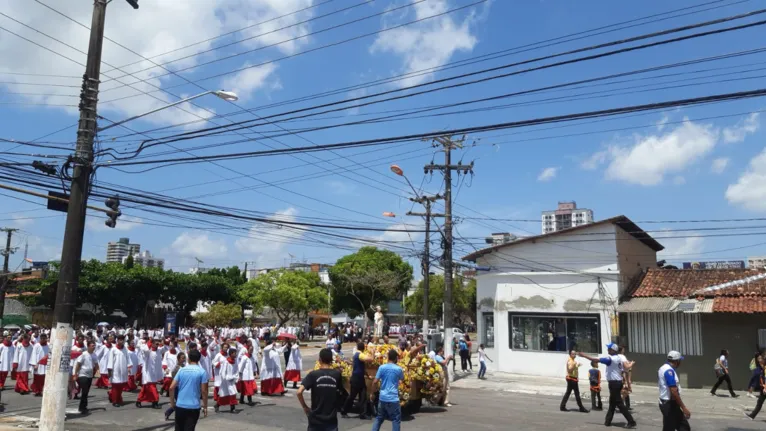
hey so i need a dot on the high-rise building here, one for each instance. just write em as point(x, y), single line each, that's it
point(146, 260)
point(758, 262)
point(565, 216)
point(115, 251)
point(500, 238)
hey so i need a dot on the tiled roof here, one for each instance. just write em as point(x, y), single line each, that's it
point(623, 222)
point(686, 282)
point(689, 283)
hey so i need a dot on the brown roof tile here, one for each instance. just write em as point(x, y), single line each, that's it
point(741, 304)
point(687, 282)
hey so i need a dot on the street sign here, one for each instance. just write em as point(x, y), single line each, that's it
point(57, 205)
point(718, 264)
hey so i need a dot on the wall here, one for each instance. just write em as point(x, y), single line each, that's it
point(633, 256)
point(736, 332)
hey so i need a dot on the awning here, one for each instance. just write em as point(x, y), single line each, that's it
point(665, 305)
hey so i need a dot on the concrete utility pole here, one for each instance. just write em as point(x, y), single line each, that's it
point(449, 144)
point(53, 411)
point(426, 259)
point(6, 276)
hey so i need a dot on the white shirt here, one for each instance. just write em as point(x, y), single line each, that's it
point(482, 355)
point(724, 362)
point(667, 378)
point(118, 361)
point(614, 367)
point(86, 361)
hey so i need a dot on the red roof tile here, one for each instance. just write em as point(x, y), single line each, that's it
point(687, 282)
point(742, 304)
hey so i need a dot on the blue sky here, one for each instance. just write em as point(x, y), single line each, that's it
point(702, 162)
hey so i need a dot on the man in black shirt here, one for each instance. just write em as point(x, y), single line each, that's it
point(326, 390)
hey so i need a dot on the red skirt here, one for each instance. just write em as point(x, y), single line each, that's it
point(293, 376)
point(148, 394)
point(228, 400)
point(3, 377)
point(166, 384)
point(38, 381)
point(22, 381)
point(115, 394)
point(132, 383)
point(103, 381)
point(247, 387)
point(272, 386)
point(215, 393)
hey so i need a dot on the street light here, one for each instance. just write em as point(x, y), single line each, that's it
point(228, 96)
point(398, 171)
point(389, 214)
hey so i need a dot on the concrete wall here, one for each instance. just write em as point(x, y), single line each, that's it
point(633, 256)
point(736, 332)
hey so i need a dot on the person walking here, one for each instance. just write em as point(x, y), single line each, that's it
point(761, 373)
point(180, 363)
point(118, 365)
point(594, 378)
point(754, 383)
point(627, 374)
point(572, 378)
point(482, 361)
point(614, 378)
point(389, 375)
point(85, 367)
point(358, 384)
point(463, 347)
point(151, 374)
point(675, 415)
point(468, 343)
point(722, 372)
point(326, 390)
point(189, 386)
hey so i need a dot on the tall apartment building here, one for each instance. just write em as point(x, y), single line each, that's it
point(758, 262)
point(146, 260)
point(115, 251)
point(565, 216)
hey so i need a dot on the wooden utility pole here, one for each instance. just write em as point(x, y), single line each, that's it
point(448, 145)
point(6, 275)
point(426, 259)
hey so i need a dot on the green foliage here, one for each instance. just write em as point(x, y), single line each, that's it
point(463, 299)
point(219, 314)
point(367, 278)
point(289, 294)
point(129, 263)
point(235, 275)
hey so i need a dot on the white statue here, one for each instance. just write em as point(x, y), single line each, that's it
point(378, 322)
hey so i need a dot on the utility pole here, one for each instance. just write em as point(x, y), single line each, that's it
point(448, 144)
point(53, 411)
point(426, 259)
point(6, 276)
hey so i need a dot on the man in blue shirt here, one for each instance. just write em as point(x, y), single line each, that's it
point(389, 376)
point(614, 378)
point(675, 415)
point(191, 382)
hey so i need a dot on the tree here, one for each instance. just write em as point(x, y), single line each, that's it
point(463, 299)
point(367, 278)
point(129, 263)
point(235, 275)
point(184, 291)
point(219, 314)
point(289, 294)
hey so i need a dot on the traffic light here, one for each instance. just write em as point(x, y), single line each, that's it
point(133, 3)
point(114, 205)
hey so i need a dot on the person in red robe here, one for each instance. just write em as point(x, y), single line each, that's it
point(103, 353)
point(151, 374)
point(227, 393)
point(6, 358)
point(21, 365)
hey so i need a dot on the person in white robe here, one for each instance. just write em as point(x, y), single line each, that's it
point(22, 353)
point(294, 366)
point(248, 373)
point(6, 358)
point(150, 374)
point(271, 371)
point(216, 366)
point(169, 362)
point(118, 364)
point(132, 371)
point(39, 363)
point(204, 360)
point(227, 393)
point(102, 352)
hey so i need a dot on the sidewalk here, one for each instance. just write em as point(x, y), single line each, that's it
point(697, 400)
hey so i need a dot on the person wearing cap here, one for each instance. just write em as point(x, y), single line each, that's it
point(675, 415)
point(614, 378)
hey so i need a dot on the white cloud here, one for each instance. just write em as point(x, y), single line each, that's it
point(198, 245)
point(750, 190)
point(594, 161)
point(677, 248)
point(679, 180)
point(719, 165)
point(547, 174)
point(244, 83)
point(40, 250)
point(341, 187)
point(353, 94)
point(155, 29)
point(662, 122)
point(22, 220)
point(647, 159)
point(392, 234)
point(271, 239)
point(95, 222)
point(428, 44)
point(744, 127)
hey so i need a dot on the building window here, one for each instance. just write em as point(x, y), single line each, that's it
point(488, 336)
point(555, 333)
point(659, 333)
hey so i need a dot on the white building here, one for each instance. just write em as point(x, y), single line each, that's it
point(146, 260)
point(756, 262)
point(541, 296)
point(198, 270)
point(116, 251)
point(500, 238)
point(565, 216)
